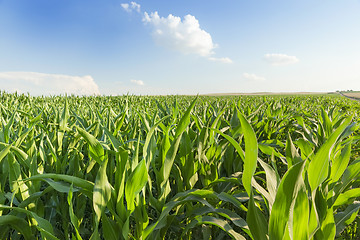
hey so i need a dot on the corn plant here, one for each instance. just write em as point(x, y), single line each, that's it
point(179, 167)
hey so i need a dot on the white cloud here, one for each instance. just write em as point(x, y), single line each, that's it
point(280, 59)
point(135, 6)
point(130, 7)
point(183, 35)
point(137, 82)
point(223, 60)
point(125, 6)
point(253, 77)
point(47, 84)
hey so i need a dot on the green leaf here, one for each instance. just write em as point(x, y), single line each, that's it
point(63, 125)
point(256, 221)
point(233, 142)
point(328, 229)
point(17, 223)
point(318, 167)
point(135, 183)
point(272, 181)
point(342, 219)
point(300, 216)
point(35, 120)
point(351, 174)
point(43, 225)
point(121, 161)
point(73, 218)
point(228, 214)
point(108, 230)
point(292, 155)
point(179, 199)
point(95, 148)
point(149, 135)
point(346, 197)
point(4, 152)
point(224, 225)
point(285, 196)
point(185, 120)
point(251, 153)
point(84, 184)
point(60, 186)
point(114, 141)
point(223, 196)
point(167, 166)
point(340, 163)
point(102, 191)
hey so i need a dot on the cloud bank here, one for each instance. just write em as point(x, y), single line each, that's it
point(253, 77)
point(280, 59)
point(182, 35)
point(47, 84)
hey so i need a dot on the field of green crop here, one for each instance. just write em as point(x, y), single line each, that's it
point(179, 167)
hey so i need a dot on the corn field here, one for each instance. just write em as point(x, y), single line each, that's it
point(179, 167)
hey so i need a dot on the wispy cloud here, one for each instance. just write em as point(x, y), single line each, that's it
point(137, 82)
point(223, 60)
point(277, 59)
point(182, 35)
point(47, 84)
point(133, 6)
point(253, 77)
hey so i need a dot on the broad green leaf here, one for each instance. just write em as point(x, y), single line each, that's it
point(73, 218)
point(168, 163)
point(228, 214)
point(108, 230)
point(114, 141)
point(233, 142)
point(251, 153)
point(15, 177)
point(60, 186)
point(179, 199)
point(224, 225)
point(135, 183)
point(350, 174)
point(256, 221)
point(285, 196)
point(17, 223)
point(81, 183)
point(342, 219)
point(292, 155)
point(340, 163)
point(326, 122)
point(272, 181)
point(185, 120)
point(7, 127)
point(149, 136)
point(96, 150)
point(102, 191)
point(63, 125)
point(121, 160)
point(4, 152)
point(41, 224)
point(223, 196)
point(300, 217)
point(328, 229)
point(318, 167)
point(347, 196)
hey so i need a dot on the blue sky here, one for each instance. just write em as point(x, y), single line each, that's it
point(179, 47)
